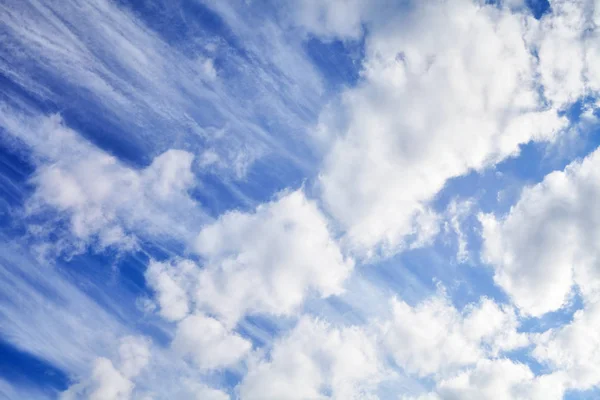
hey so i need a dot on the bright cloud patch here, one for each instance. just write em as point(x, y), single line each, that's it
point(434, 104)
point(573, 348)
point(269, 260)
point(547, 242)
point(103, 200)
point(110, 382)
point(316, 361)
point(208, 343)
point(434, 337)
point(503, 380)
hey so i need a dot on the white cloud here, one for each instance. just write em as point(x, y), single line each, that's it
point(447, 87)
point(455, 215)
point(435, 338)
point(574, 348)
point(203, 392)
point(103, 200)
point(330, 19)
point(209, 343)
point(109, 383)
point(106, 383)
point(134, 355)
point(501, 379)
point(566, 41)
point(267, 261)
point(315, 361)
point(548, 241)
point(173, 284)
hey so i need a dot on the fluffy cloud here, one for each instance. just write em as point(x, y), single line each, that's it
point(134, 354)
point(567, 44)
point(102, 200)
point(267, 261)
point(574, 349)
point(549, 240)
point(501, 379)
point(434, 337)
point(447, 87)
point(315, 361)
point(173, 283)
point(209, 343)
point(109, 383)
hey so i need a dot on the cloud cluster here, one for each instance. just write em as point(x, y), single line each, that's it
point(547, 243)
point(209, 343)
point(573, 349)
point(435, 338)
point(105, 203)
point(315, 361)
point(447, 87)
point(266, 262)
point(500, 379)
point(109, 382)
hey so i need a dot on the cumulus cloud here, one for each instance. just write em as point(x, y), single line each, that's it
point(446, 87)
point(566, 41)
point(548, 241)
point(102, 200)
point(173, 283)
point(209, 343)
point(573, 349)
point(268, 260)
point(265, 261)
point(315, 361)
point(501, 379)
point(134, 354)
point(435, 338)
point(106, 382)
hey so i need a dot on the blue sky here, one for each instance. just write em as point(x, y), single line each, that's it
point(347, 199)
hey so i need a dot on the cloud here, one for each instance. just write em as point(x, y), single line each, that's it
point(456, 212)
point(573, 349)
point(106, 383)
point(435, 338)
point(447, 87)
point(315, 361)
point(173, 284)
point(266, 261)
point(330, 19)
point(147, 91)
point(203, 392)
point(209, 343)
point(70, 327)
point(548, 240)
point(109, 383)
point(501, 379)
point(105, 203)
point(134, 354)
point(566, 41)
point(269, 260)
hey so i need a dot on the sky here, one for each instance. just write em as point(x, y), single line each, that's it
point(299, 200)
